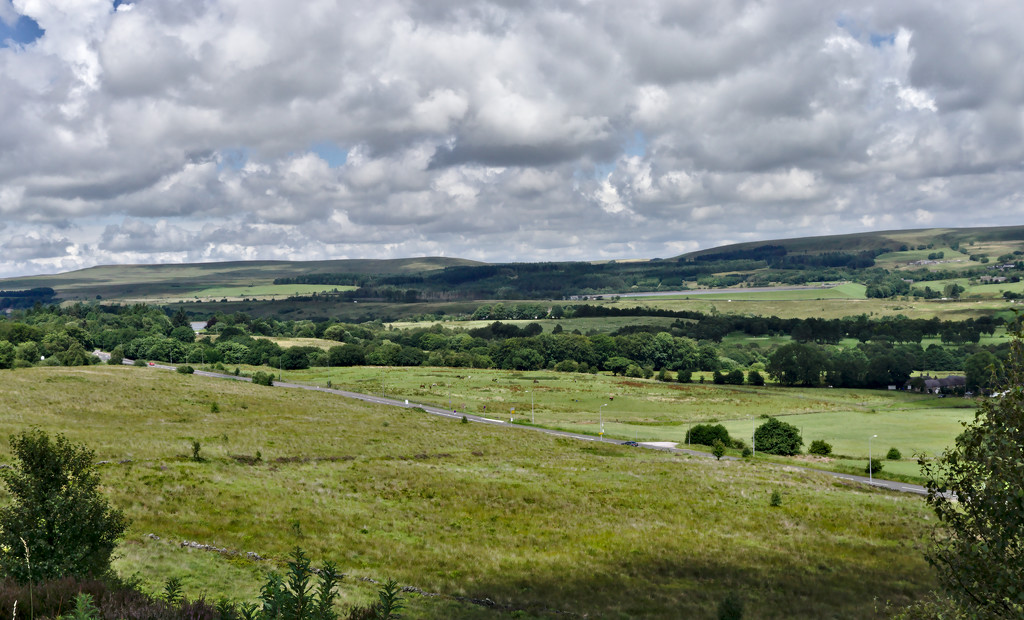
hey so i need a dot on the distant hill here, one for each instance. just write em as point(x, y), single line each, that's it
point(884, 261)
point(135, 281)
point(877, 240)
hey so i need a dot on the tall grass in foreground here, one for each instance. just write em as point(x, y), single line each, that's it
point(528, 522)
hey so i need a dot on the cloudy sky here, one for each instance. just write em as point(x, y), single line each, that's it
point(205, 130)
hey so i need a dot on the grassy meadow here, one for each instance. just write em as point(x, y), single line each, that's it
point(539, 525)
point(849, 290)
point(262, 291)
point(910, 307)
point(648, 410)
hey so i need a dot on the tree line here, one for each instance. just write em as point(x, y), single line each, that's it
point(886, 353)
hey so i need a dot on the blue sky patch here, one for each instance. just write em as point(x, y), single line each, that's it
point(637, 146)
point(25, 31)
point(877, 39)
point(331, 153)
point(234, 159)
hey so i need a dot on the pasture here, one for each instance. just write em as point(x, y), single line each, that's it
point(648, 410)
point(824, 308)
point(261, 292)
point(538, 525)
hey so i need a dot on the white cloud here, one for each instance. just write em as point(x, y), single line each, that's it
point(181, 131)
point(794, 184)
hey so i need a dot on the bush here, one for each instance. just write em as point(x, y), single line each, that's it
point(734, 377)
point(567, 366)
point(718, 450)
point(776, 499)
point(873, 467)
point(755, 378)
point(139, 363)
point(820, 447)
point(116, 356)
point(263, 378)
point(708, 434)
point(185, 369)
point(730, 607)
point(893, 454)
point(746, 452)
point(684, 375)
point(778, 437)
point(56, 512)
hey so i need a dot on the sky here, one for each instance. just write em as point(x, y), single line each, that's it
point(166, 131)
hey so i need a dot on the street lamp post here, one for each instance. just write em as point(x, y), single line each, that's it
point(870, 464)
point(531, 406)
point(600, 417)
point(753, 443)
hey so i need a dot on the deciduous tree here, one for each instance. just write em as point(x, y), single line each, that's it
point(977, 490)
point(56, 511)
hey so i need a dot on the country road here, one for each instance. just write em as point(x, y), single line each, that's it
point(902, 487)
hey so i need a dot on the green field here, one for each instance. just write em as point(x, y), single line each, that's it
point(262, 291)
point(647, 410)
point(924, 431)
point(848, 290)
point(824, 308)
point(539, 525)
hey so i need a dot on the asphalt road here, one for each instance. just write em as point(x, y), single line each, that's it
point(902, 487)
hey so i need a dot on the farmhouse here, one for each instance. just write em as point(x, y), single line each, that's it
point(952, 383)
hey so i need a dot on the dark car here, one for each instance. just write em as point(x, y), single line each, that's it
point(631, 443)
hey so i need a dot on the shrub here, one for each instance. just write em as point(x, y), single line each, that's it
point(195, 451)
point(567, 366)
point(873, 467)
point(755, 378)
point(893, 454)
point(139, 363)
point(820, 447)
point(708, 434)
point(116, 356)
point(730, 607)
point(746, 452)
point(185, 369)
point(718, 450)
point(776, 499)
point(684, 375)
point(56, 512)
point(263, 378)
point(778, 437)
